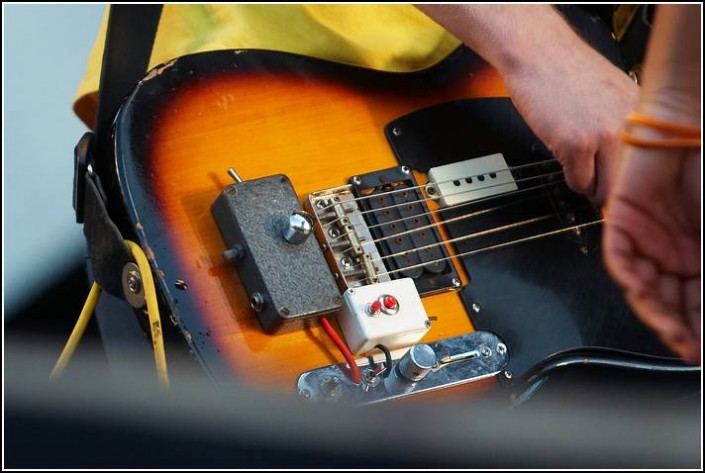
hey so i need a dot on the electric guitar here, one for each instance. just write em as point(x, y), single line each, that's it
point(369, 195)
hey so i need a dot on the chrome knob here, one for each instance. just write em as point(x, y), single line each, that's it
point(417, 362)
point(299, 227)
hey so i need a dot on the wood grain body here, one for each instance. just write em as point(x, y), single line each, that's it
point(316, 130)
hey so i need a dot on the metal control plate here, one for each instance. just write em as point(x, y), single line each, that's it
point(462, 359)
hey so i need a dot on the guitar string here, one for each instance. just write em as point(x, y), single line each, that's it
point(499, 184)
point(469, 236)
point(420, 186)
point(493, 247)
point(476, 201)
point(435, 198)
point(454, 219)
point(404, 204)
point(446, 221)
point(471, 202)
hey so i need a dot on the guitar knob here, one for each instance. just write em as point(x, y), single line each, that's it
point(417, 362)
point(299, 227)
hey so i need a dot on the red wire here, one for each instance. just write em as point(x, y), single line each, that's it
point(354, 369)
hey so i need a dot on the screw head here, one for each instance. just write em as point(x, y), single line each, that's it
point(508, 374)
point(485, 351)
point(132, 285)
point(396, 131)
point(356, 180)
point(405, 169)
point(134, 281)
point(455, 282)
point(476, 307)
point(501, 348)
point(330, 386)
point(180, 284)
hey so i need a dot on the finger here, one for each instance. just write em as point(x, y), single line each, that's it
point(646, 276)
point(576, 152)
point(692, 289)
point(668, 290)
point(618, 254)
point(579, 170)
point(668, 325)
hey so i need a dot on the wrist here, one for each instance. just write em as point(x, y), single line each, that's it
point(671, 106)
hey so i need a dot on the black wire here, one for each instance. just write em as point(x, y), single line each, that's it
point(387, 359)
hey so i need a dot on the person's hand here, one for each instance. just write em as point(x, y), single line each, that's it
point(573, 98)
point(575, 101)
point(652, 242)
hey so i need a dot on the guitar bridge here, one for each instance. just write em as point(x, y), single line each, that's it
point(378, 228)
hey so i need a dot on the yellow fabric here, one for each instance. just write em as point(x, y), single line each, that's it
point(386, 37)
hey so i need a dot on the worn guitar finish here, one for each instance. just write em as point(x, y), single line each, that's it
point(262, 113)
point(265, 113)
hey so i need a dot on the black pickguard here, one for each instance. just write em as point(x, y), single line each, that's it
point(544, 296)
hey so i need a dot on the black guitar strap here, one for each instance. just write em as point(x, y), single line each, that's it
point(128, 47)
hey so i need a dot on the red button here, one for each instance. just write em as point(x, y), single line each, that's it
point(390, 302)
point(374, 307)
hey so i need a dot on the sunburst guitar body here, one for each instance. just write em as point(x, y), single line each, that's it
point(517, 264)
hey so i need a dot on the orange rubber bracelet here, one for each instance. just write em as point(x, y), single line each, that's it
point(639, 142)
point(668, 127)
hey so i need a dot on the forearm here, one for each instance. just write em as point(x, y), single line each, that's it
point(672, 75)
point(509, 37)
point(571, 96)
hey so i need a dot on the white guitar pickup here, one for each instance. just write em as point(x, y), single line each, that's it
point(470, 180)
